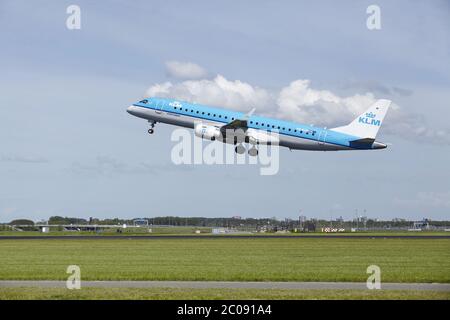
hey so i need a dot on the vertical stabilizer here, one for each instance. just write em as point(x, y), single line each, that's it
point(367, 124)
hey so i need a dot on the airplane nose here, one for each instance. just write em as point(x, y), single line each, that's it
point(131, 110)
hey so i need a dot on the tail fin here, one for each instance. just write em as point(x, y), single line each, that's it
point(367, 124)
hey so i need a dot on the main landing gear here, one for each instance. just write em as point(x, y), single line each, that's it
point(240, 149)
point(152, 125)
point(253, 152)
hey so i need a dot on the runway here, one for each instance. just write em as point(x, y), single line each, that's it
point(162, 237)
point(445, 287)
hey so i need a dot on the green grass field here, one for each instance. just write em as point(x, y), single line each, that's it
point(113, 232)
point(211, 294)
point(255, 259)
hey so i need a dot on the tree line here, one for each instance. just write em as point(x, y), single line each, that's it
point(234, 222)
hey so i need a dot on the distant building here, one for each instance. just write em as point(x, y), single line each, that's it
point(140, 222)
point(301, 221)
point(309, 226)
point(219, 230)
point(421, 225)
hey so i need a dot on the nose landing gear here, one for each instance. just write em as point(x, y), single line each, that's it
point(152, 125)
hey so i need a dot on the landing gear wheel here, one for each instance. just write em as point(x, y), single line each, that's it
point(152, 125)
point(240, 149)
point(253, 152)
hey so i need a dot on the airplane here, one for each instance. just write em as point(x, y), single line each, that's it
point(238, 128)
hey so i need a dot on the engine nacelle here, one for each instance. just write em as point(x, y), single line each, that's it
point(207, 132)
point(261, 137)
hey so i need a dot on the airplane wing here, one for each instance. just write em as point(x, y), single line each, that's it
point(235, 124)
point(238, 123)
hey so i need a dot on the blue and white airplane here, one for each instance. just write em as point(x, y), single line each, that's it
point(239, 128)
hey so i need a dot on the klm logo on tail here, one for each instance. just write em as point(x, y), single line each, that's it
point(369, 119)
point(366, 125)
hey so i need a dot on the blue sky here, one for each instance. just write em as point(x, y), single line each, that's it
point(69, 148)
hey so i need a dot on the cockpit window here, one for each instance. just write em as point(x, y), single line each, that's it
point(145, 101)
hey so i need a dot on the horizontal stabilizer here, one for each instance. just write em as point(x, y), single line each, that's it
point(362, 143)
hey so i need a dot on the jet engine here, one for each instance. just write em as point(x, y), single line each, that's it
point(207, 132)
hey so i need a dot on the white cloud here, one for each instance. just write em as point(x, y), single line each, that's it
point(435, 199)
point(109, 166)
point(185, 70)
point(24, 159)
point(415, 126)
point(6, 212)
point(296, 102)
point(427, 199)
point(219, 92)
point(299, 102)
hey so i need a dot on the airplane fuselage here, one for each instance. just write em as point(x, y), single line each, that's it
point(290, 134)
